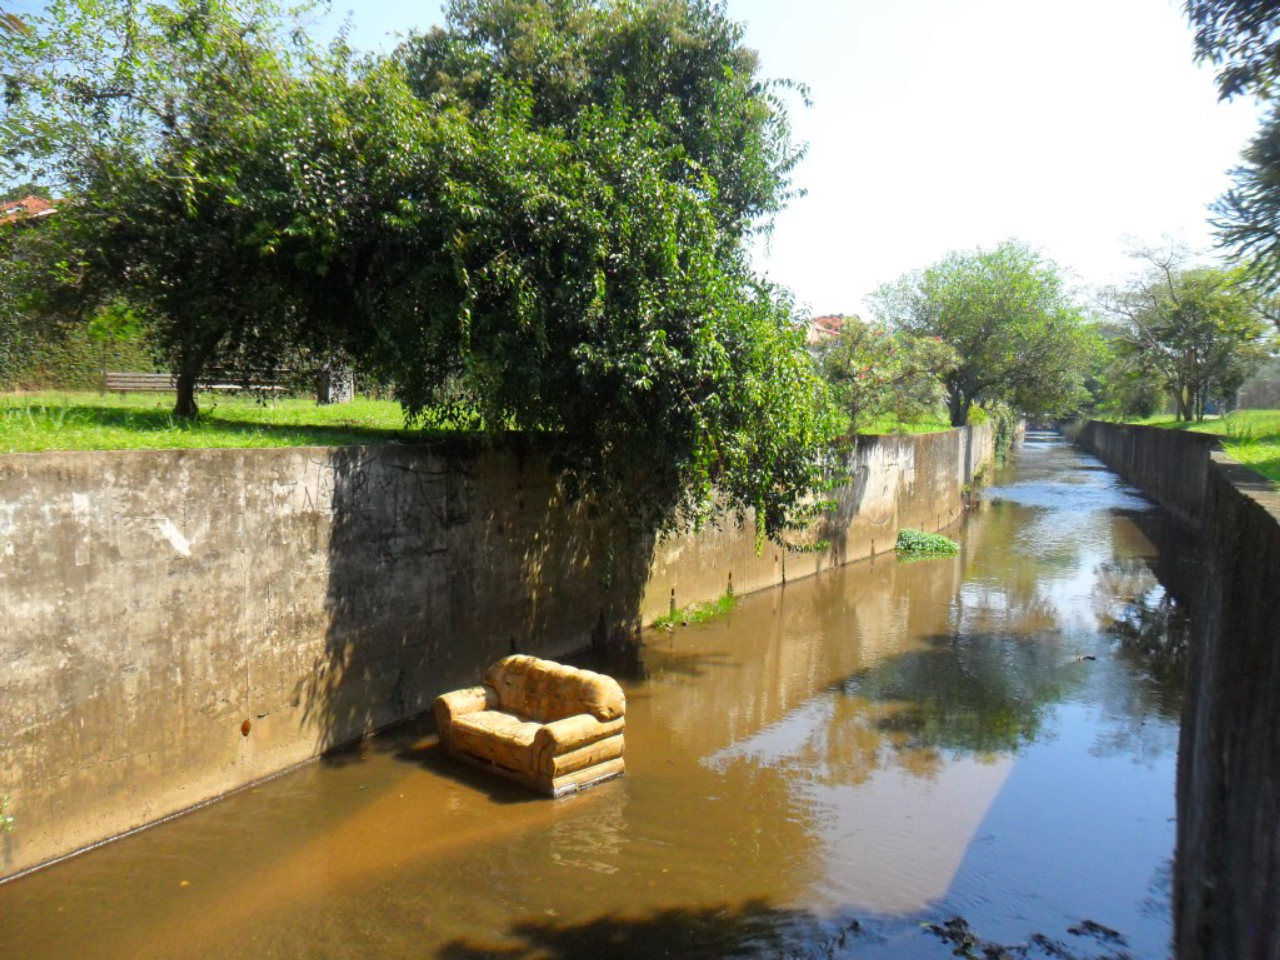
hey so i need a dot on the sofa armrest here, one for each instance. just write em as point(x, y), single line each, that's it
point(450, 706)
point(561, 736)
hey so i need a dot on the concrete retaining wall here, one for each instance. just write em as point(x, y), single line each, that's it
point(177, 624)
point(1227, 868)
point(1170, 466)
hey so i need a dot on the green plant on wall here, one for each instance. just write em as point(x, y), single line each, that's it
point(1005, 420)
point(697, 613)
point(917, 543)
point(6, 818)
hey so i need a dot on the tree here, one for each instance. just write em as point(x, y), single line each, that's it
point(876, 372)
point(1197, 329)
point(1017, 335)
point(149, 119)
point(584, 279)
point(680, 62)
point(1242, 37)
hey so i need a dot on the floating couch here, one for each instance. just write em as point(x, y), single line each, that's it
point(551, 727)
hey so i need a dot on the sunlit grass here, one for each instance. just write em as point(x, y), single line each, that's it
point(1251, 437)
point(144, 421)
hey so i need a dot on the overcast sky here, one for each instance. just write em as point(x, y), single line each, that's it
point(938, 125)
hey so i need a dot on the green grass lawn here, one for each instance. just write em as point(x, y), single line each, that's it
point(142, 421)
point(937, 422)
point(1250, 436)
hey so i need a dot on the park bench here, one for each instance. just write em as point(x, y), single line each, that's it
point(216, 378)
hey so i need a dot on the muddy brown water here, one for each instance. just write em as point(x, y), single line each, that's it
point(821, 774)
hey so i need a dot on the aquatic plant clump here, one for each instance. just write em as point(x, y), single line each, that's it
point(917, 543)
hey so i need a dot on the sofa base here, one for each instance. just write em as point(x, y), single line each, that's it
point(557, 787)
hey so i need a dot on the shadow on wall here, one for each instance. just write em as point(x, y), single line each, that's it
point(443, 558)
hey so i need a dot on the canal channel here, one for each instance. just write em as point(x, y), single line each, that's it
point(890, 760)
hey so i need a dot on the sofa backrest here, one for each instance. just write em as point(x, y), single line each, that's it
point(544, 690)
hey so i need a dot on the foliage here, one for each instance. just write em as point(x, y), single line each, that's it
point(1198, 330)
point(698, 613)
point(6, 818)
point(876, 373)
point(23, 190)
point(1006, 313)
point(681, 63)
point(1124, 387)
point(1241, 38)
point(513, 260)
point(1005, 420)
point(145, 115)
point(917, 542)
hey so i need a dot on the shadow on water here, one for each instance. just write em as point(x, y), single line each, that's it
point(758, 928)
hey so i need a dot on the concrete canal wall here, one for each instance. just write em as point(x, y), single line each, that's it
point(1227, 868)
point(177, 624)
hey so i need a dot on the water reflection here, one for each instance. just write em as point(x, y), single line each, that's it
point(990, 735)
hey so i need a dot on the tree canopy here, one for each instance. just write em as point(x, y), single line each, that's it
point(1197, 330)
point(1017, 334)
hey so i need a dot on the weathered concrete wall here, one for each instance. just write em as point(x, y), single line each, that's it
point(1169, 466)
point(178, 624)
point(1227, 868)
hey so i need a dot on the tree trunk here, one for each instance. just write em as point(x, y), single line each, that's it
point(185, 405)
point(958, 407)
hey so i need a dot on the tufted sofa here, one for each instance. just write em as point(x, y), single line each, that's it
point(551, 727)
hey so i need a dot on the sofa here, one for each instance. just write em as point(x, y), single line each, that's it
point(551, 727)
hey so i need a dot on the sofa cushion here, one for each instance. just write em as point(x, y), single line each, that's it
point(547, 691)
point(502, 738)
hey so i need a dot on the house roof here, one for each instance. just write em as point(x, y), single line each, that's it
point(29, 207)
point(822, 328)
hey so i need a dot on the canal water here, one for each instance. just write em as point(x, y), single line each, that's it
point(892, 760)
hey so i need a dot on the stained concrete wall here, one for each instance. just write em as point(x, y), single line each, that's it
point(177, 624)
point(1227, 867)
point(1170, 466)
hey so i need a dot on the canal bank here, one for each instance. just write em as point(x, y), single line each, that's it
point(179, 624)
point(1227, 878)
point(831, 771)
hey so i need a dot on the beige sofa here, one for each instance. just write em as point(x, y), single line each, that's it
point(551, 727)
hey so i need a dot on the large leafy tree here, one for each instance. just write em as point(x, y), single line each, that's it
point(1017, 334)
point(582, 277)
point(1197, 330)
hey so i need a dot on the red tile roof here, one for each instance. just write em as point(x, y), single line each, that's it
point(824, 327)
point(29, 207)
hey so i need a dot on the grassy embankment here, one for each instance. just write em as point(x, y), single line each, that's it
point(1250, 436)
point(54, 420)
point(32, 422)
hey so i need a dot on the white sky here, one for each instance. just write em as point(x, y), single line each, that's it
point(938, 125)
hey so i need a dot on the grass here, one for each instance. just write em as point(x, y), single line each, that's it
point(33, 422)
point(697, 613)
point(890, 424)
point(1251, 437)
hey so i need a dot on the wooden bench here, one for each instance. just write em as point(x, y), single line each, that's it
point(114, 381)
point(117, 382)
